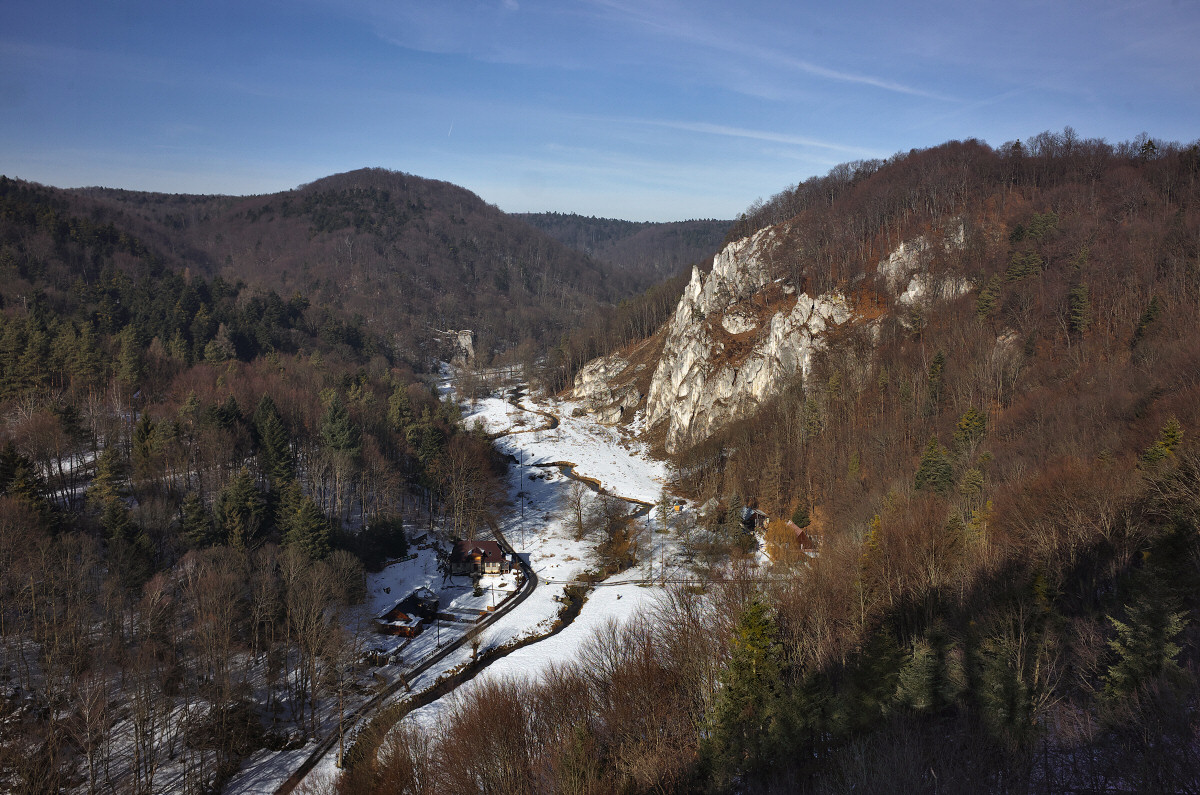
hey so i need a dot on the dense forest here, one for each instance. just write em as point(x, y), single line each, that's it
point(404, 254)
point(194, 474)
point(658, 248)
point(1005, 488)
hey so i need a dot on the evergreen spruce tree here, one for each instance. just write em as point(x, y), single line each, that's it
point(130, 367)
point(86, 364)
point(307, 529)
point(935, 472)
point(1153, 310)
point(110, 481)
point(196, 526)
point(129, 548)
point(1144, 647)
point(338, 431)
point(744, 728)
point(971, 427)
point(274, 444)
point(1080, 308)
point(399, 410)
point(930, 678)
point(936, 371)
point(240, 511)
point(873, 689)
point(143, 447)
point(1164, 447)
point(34, 365)
point(985, 303)
point(20, 480)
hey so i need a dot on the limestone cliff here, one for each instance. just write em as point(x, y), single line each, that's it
point(734, 340)
point(738, 336)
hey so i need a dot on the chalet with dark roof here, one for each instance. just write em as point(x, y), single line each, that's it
point(478, 557)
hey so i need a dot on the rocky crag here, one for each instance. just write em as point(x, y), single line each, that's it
point(738, 336)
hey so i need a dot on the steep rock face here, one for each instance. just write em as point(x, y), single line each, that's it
point(734, 340)
point(738, 337)
point(605, 388)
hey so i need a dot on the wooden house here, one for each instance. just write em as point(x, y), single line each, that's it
point(478, 557)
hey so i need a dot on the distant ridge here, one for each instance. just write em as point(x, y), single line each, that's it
point(662, 248)
point(403, 252)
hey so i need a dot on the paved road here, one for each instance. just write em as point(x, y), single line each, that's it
point(367, 709)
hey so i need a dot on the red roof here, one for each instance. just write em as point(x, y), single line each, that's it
point(802, 538)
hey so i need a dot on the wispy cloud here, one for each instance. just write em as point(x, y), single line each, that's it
point(757, 135)
point(672, 23)
point(848, 77)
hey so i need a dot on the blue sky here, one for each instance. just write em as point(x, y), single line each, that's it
point(638, 109)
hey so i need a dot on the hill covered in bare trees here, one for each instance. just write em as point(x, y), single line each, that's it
point(403, 253)
point(658, 248)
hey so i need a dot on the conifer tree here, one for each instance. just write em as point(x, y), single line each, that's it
point(34, 363)
point(1164, 447)
point(338, 431)
point(1080, 308)
point(196, 525)
point(307, 529)
point(931, 678)
point(1153, 310)
point(20, 480)
point(399, 410)
point(936, 371)
point(747, 713)
point(985, 303)
point(873, 690)
point(240, 511)
point(274, 444)
point(130, 367)
point(142, 451)
point(86, 364)
point(110, 480)
point(1144, 647)
point(935, 472)
point(971, 427)
point(129, 547)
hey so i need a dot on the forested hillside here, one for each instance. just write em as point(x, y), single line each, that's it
point(193, 474)
point(658, 248)
point(1004, 487)
point(404, 254)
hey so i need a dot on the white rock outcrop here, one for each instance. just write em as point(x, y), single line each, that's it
point(603, 391)
point(738, 337)
point(907, 267)
point(734, 342)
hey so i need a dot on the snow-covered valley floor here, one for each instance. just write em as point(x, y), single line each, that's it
point(539, 528)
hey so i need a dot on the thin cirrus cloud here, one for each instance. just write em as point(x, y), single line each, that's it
point(760, 135)
point(671, 22)
point(600, 34)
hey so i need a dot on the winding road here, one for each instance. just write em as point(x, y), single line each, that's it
point(362, 715)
